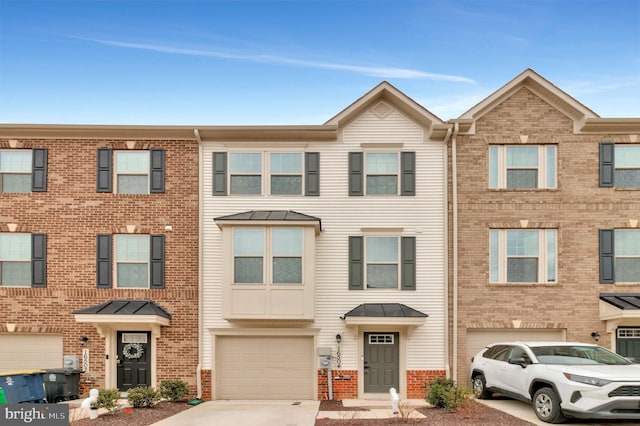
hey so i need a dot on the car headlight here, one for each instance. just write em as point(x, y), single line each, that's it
point(594, 381)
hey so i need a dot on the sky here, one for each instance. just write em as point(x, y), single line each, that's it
point(214, 62)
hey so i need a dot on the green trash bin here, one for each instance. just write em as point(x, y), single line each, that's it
point(3, 400)
point(61, 384)
point(22, 386)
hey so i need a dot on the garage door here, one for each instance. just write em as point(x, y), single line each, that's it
point(265, 367)
point(478, 339)
point(30, 351)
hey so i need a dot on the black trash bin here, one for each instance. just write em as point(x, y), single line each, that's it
point(22, 386)
point(61, 384)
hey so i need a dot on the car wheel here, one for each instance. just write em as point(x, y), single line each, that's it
point(480, 387)
point(546, 405)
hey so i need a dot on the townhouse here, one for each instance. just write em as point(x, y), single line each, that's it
point(99, 252)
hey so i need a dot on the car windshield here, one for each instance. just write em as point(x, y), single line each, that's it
point(572, 355)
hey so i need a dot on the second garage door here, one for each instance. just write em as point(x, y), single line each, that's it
point(30, 351)
point(265, 367)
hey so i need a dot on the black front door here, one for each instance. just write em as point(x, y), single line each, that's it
point(134, 358)
point(381, 362)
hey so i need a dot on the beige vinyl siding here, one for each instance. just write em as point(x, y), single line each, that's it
point(422, 216)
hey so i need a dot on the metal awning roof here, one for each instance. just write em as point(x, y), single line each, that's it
point(125, 307)
point(384, 313)
point(622, 300)
point(267, 216)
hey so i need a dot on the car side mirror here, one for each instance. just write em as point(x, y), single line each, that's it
point(518, 361)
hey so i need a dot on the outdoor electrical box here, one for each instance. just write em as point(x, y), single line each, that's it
point(325, 357)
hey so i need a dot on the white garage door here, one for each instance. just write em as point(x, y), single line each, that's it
point(265, 367)
point(478, 339)
point(30, 351)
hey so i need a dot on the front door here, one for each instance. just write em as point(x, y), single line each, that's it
point(628, 343)
point(381, 362)
point(134, 359)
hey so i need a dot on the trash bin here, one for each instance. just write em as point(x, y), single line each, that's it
point(62, 384)
point(3, 400)
point(22, 386)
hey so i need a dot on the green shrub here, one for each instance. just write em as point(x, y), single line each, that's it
point(107, 399)
point(143, 397)
point(174, 389)
point(443, 393)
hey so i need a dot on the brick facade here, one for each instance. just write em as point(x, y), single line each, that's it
point(344, 386)
point(417, 381)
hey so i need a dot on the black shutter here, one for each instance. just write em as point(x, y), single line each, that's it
point(103, 261)
point(38, 260)
point(408, 269)
point(312, 173)
point(219, 173)
point(355, 173)
point(39, 170)
point(104, 181)
point(607, 164)
point(408, 165)
point(157, 171)
point(157, 261)
point(356, 263)
point(607, 257)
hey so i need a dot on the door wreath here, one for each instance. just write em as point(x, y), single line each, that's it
point(132, 350)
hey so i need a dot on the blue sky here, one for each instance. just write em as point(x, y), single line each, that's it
point(301, 62)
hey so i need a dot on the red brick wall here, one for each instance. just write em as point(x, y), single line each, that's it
point(342, 387)
point(71, 213)
point(417, 382)
point(206, 378)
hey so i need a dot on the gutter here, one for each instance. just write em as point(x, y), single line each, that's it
point(196, 133)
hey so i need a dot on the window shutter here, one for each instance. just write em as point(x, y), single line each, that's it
point(219, 173)
point(607, 164)
point(157, 261)
point(157, 171)
point(408, 164)
point(103, 262)
point(408, 270)
point(356, 263)
point(355, 173)
point(312, 173)
point(607, 256)
point(104, 181)
point(39, 170)
point(38, 260)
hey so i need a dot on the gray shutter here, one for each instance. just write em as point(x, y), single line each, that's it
point(607, 164)
point(219, 173)
point(157, 171)
point(312, 173)
point(157, 261)
point(408, 269)
point(104, 181)
point(356, 162)
point(607, 257)
point(39, 170)
point(356, 263)
point(103, 261)
point(408, 165)
point(38, 260)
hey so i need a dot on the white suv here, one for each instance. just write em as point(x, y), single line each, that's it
point(560, 379)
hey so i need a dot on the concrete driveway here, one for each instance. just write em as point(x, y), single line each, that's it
point(254, 413)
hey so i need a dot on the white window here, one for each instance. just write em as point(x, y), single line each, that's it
point(15, 170)
point(15, 260)
point(267, 252)
point(381, 173)
point(286, 173)
point(627, 166)
point(522, 167)
point(245, 170)
point(382, 266)
point(284, 177)
point(132, 261)
point(627, 255)
point(132, 172)
point(522, 256)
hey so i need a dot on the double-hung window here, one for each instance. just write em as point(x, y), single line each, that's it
point(275, 253)
point(245, 173)
point(619, 165)
point(382, 173)
point(131, 260)
point(522, 167)
point(619, 256)
point(382, 262)
point(523, 255)
point(382, 256)
point(22, 260)
point(130, 171)
point(286, 173)
point(23, 170)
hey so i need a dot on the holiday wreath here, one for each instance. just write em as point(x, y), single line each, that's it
point(132, 350)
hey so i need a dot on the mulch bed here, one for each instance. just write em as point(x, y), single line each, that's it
point(135, 416)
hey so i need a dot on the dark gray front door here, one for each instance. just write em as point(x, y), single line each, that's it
point(134, 358)
point(381, 362)
point(628, 343)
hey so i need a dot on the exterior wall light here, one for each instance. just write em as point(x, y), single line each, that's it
point(83, 340)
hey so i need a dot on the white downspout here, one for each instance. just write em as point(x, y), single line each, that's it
point(454, 202)
point(200, 178)
point(447, 337)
